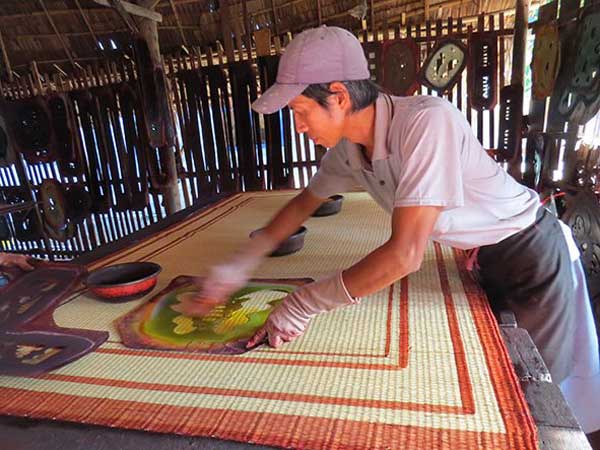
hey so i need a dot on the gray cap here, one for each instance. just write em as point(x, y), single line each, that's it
point(317, 55)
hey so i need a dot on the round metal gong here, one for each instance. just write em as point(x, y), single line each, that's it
point(444, 65)
point(79, 201)
point(54, 204)
point(400, 66)
point(32, 130)
point(546, 60)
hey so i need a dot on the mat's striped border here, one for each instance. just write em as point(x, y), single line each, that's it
point(341, 434)
point(257, 428)
point(464, 382)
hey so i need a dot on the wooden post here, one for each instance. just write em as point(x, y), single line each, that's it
point(149, 31)
point(248, 36)
point(37, 79)
point(518, 68)
point(373, 29)
point(319, 12)
point(520, 41)
point(275, 19)
point(226, 30)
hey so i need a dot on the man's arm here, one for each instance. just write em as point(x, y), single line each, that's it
point(15, 260)
point(400, 255)
point(225, 278)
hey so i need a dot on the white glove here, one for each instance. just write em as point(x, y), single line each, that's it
point(290, 318)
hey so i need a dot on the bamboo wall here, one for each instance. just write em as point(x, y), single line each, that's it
point(222, 146)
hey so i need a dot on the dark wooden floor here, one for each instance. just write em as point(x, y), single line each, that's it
point(27, 434)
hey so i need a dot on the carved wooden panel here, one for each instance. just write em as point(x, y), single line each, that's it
point(583, 216)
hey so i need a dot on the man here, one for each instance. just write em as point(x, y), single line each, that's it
point(418, 158)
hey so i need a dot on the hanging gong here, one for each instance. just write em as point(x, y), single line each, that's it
point(157, 115)
point(592, 105)
point(30, 124)
point(546, 60)
point(4, 229)
point(27, 226)
point(7, 151)
point(581, 216)
point(568, 102)
point(54, 204)
point(400, 66)
point(79, 201)
point(65, 140)
point(482, 70)
point(60, 234)
point(587, 64)
point(444, 65)
point(511, 121)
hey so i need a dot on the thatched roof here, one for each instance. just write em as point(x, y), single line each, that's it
point(62, 32)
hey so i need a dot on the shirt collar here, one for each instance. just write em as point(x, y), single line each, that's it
point(383, 116)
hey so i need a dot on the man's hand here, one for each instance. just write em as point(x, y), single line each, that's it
point(196, 306)
point(224, 279)
point(290, 318)
point(23, 262)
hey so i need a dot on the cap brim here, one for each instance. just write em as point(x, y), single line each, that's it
point(277, 97)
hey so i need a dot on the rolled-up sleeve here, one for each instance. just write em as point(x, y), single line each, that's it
point(333, 176)
point(430, 159)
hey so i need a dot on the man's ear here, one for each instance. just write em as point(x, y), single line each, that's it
point(340, 96)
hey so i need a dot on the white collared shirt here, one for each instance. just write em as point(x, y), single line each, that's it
point(425, 153)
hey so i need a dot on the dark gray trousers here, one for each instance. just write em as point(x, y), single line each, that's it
point(530, 274)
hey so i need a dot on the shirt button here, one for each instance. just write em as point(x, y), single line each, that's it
point(381, 182)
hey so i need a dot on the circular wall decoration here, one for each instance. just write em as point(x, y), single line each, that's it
point(444, 65)
point(546, 60)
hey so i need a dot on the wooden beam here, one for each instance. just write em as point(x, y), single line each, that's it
point(226, 29)
point(373, 29)
point(135, 10)
point(181, 33)
point(57, 67)
point(5, 58)
point(248, 37)
point(275, 18)
point(124, 15)
point(37, 78)
point(87, 23)
point(519, 42)
point(60, 38)
point(149, 32)
point(319, 12)
point(426, 9)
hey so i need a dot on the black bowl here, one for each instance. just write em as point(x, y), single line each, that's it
point(291, 245)
point(331, 206)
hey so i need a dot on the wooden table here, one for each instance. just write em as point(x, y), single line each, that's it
point(556, 425)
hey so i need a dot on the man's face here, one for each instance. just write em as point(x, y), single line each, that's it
point(323, 125)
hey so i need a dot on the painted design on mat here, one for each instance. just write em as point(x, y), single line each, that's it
point(222, 328)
